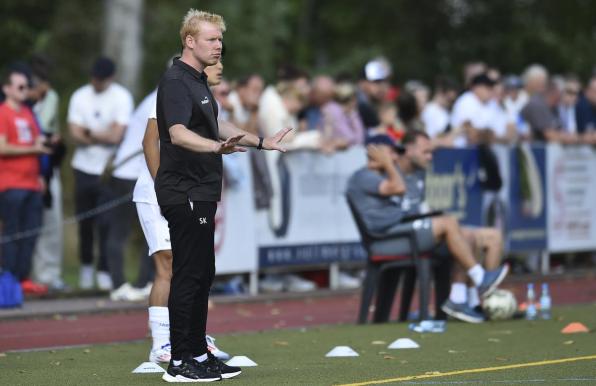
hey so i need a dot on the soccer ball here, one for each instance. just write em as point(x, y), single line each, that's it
point(500, 305)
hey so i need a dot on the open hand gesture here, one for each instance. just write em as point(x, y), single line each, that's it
point(273, 143)
point(230, 145)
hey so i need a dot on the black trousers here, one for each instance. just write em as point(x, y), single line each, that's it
point(193, 269)
point(88, 191)
point(115, 226)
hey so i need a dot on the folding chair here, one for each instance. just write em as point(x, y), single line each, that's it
point(405, 255)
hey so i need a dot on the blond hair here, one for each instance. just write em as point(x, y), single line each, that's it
point(190, 23)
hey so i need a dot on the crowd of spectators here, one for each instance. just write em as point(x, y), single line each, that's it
point(329, 114)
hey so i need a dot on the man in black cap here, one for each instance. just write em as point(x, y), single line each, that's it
point(98, 114)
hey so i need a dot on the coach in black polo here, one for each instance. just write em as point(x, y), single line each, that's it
point(188, 185)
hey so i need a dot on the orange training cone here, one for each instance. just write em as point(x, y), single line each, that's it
point(575, 327)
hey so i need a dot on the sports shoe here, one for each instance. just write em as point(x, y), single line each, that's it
point(190, 371)
point(271, 283)
point(346, 281)
point(86, 277)
point(492, 279)
point(127, 293)
point(162, 354)
point(295, 283)
point(104, 281)
point(146, 290)
point(462, 311)
point(212, 348)
point(215, 365)
point(30, 287)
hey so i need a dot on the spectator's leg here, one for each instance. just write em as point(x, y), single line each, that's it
point(11, 202)
point(447, 228)
point(31, 212)
point(85, 199)
point(146, 273)
point(116, 226)
point(48, 254)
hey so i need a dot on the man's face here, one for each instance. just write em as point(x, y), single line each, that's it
point(570, 93)
point(251, 93)
point(207, 44)
point(591, 92)
point(376, 90)
point(100, 85)
point(17, 88)
point(214, 73)
point(420, 153)
point(483, 92)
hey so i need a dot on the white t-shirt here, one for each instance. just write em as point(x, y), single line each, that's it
point(435, 119)
point(468, 108)
point(145, 187)
point(97, 112)
point(240, 115)
point(132, 143)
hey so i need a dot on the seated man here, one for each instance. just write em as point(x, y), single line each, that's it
point(391, 189)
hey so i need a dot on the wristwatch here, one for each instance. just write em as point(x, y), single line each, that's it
point(260, 145)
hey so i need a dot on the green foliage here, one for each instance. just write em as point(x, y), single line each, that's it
point(421, 37)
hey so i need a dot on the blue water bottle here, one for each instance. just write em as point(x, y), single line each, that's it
point(531, 309)
point(545, 303)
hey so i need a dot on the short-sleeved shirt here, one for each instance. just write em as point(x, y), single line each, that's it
point(129, 159)
point(435, 119)
point(539, 116)
point(97, 112)
point(469, 108)
point(20, 129)
point(184, 98)
point(378, 212)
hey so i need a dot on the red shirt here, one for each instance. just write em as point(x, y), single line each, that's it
point(19, 128)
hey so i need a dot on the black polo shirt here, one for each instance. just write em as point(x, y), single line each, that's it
point(183, 97)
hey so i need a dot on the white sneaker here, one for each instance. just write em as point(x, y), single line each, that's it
point(86, 277)
point(127, 293)
point(271, 283)
point(221, 355)
point(161, 355)
point(104, 281)
point(346, 281)
point(295, 283)
point(146, 290)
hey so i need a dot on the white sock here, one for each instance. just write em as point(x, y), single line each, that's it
point(458, 293)
point(476, 273)
point(159, 322)
point(473, 297)
point(201, 358)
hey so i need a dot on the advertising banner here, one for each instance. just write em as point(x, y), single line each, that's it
point(235, 244)
point(572, 198)
point(527, 204)
point(308, 220)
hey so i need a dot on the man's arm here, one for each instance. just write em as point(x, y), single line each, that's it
point(112, 136)
point(228, 130)
point(9, 150)
point(393, 184)
point(183, 137)
point(79, 134)
point(151, 146)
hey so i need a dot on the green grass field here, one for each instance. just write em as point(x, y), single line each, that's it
point(297, 357)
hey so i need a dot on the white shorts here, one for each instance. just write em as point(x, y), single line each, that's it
point(155, 227)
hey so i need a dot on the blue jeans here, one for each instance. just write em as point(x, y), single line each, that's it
point(20, 211)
